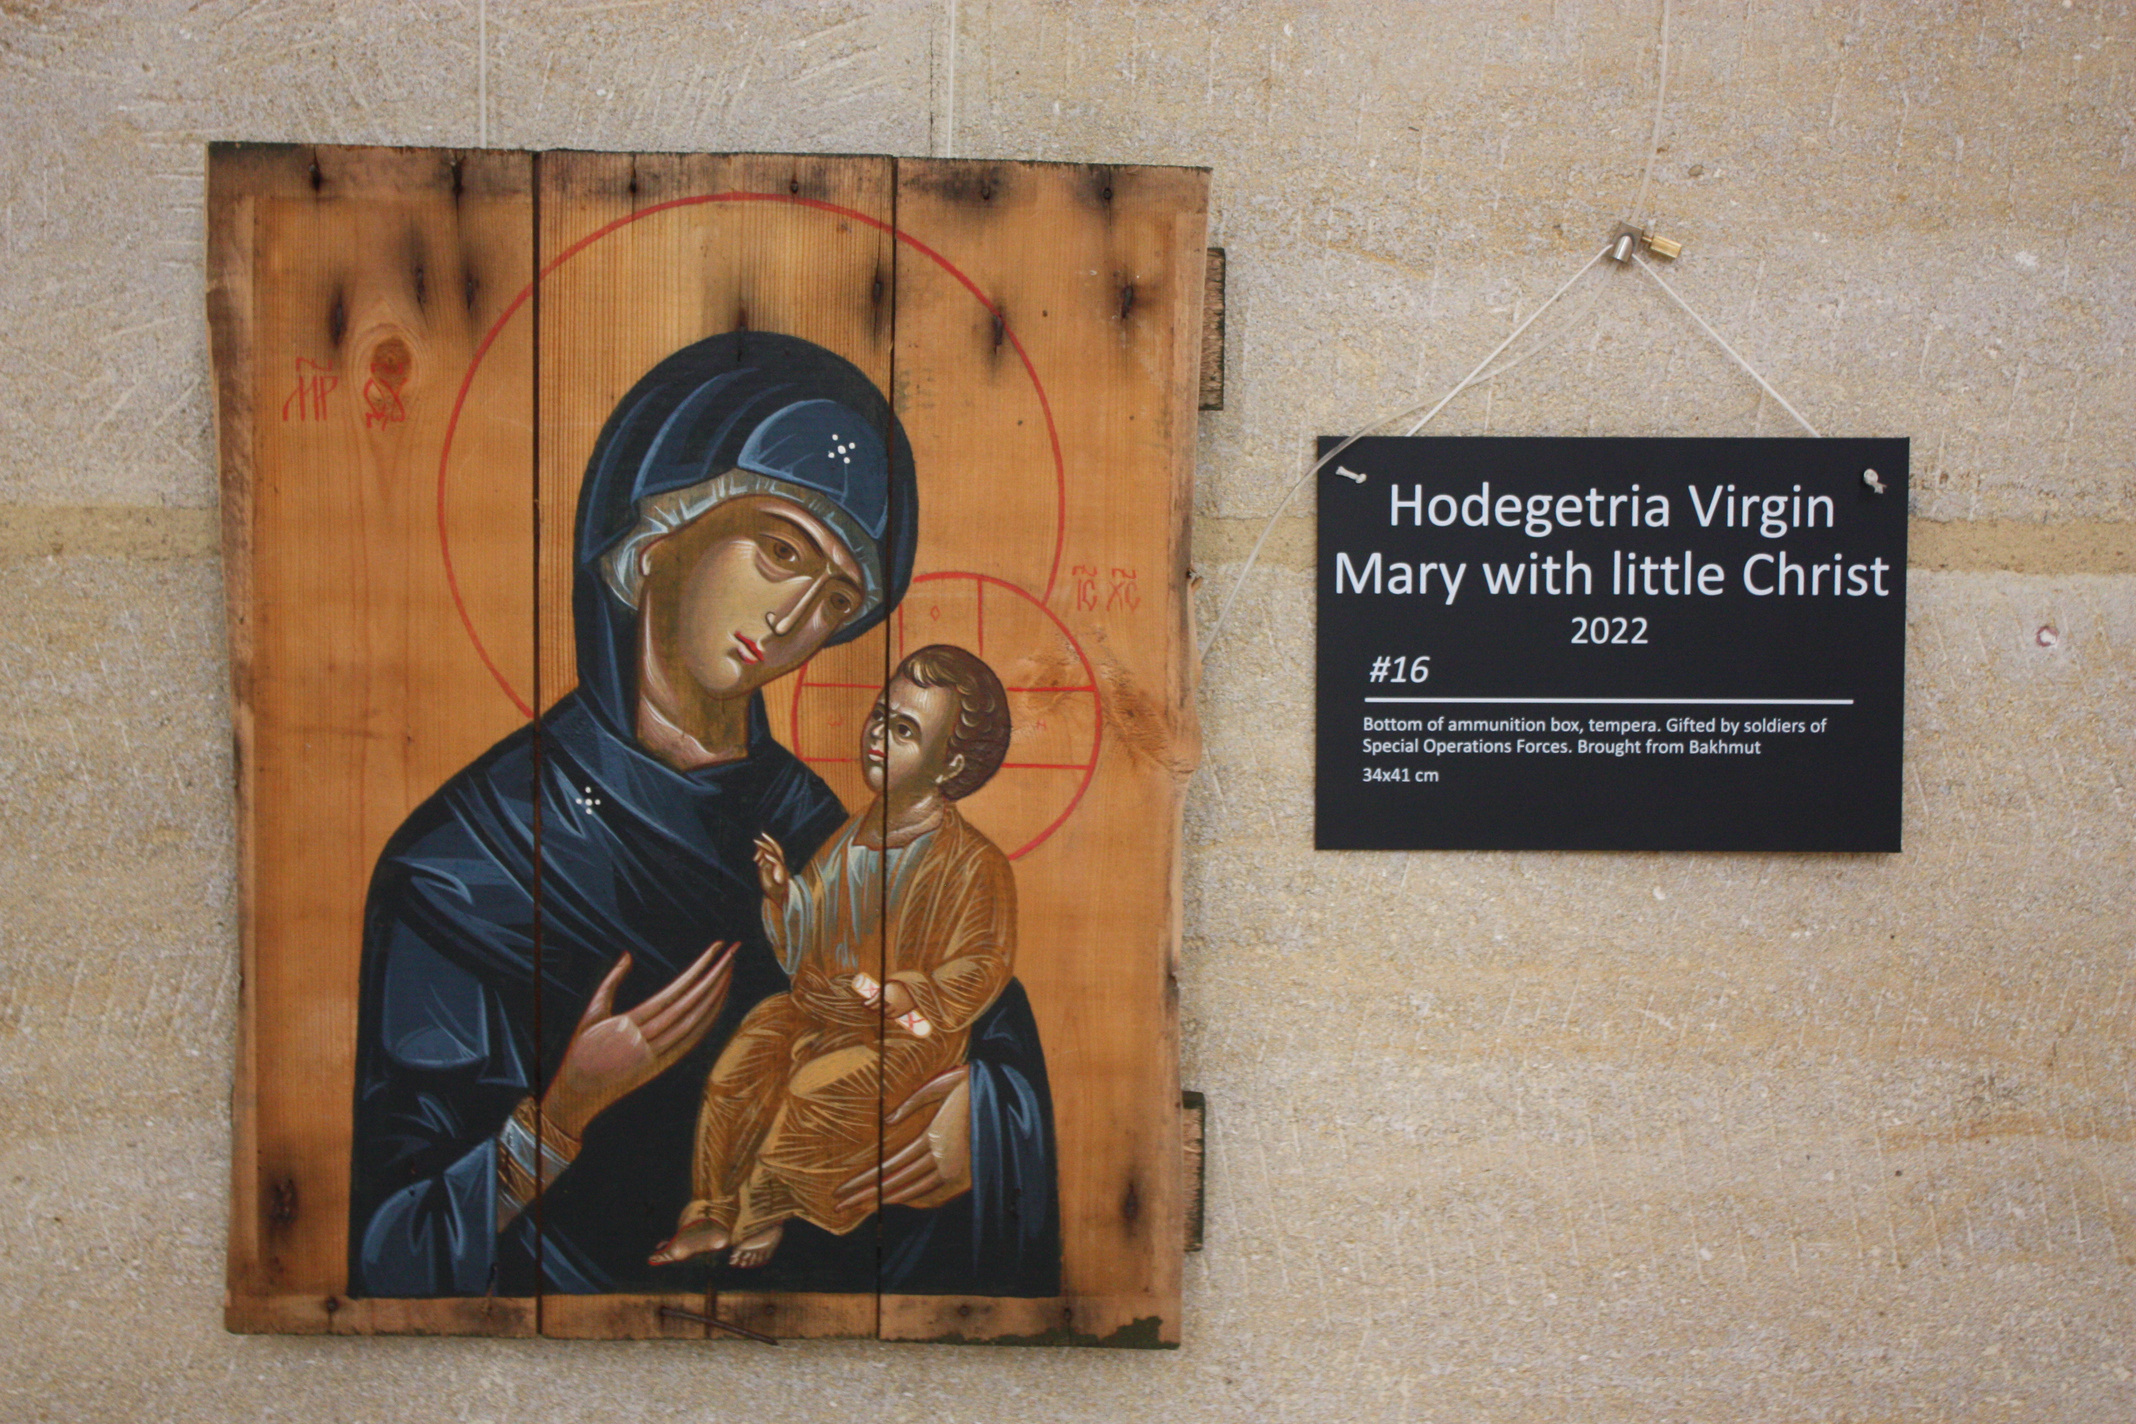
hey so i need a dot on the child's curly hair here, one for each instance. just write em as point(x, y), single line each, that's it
point(981, 732)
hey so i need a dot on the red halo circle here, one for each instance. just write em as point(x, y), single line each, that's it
point(452, 424)
point(1088, 767)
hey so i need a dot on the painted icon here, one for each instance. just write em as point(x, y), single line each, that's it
point(750, 502)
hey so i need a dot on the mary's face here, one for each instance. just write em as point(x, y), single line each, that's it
point(754, 586)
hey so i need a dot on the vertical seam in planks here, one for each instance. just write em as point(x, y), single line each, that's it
point(541, 1264)
point(890, 655)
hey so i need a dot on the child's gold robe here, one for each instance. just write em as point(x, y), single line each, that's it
point(794, 1107)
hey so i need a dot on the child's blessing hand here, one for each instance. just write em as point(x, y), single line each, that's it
point(772, 875)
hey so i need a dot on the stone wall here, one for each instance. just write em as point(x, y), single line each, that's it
point(1492, 1137)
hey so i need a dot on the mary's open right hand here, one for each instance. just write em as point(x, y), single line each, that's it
point(612, 1055)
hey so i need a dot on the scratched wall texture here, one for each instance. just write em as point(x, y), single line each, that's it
point(1493, 1137)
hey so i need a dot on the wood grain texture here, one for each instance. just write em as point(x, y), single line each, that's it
point(337, 1315)
point(1038, 329)
point(1090, 594)
point(788, 1316)
point(234, 181)
point(622, 1317)
point(352, 288)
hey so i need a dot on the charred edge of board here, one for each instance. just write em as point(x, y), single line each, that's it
point(810, 179)
point(1102, 186)
point(969, 184)
point(418, 269)
point(282, 1202)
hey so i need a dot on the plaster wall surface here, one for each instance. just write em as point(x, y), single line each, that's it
point(1492, 1137)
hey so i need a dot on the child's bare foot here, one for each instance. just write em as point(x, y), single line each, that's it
point(756, 1250)
point(696, 1239)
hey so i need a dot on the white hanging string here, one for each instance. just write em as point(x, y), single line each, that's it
point(1216, 628)
point(1661, 94)
point(1661, 90)
point(1544, 344)
point(1722, 342)
point(1469, 379)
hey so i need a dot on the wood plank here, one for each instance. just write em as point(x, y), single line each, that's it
point(792, 1316)
point(1064, 584)
point(623, 1317)
point(235, 179)
point(350, 289)
point(742, 1318)
point(696, 246)
point(338, 1315)
point(1037, 328)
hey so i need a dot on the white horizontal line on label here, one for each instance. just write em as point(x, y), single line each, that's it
point(1649, 701)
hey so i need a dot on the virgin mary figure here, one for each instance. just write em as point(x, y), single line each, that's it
point(751, 500)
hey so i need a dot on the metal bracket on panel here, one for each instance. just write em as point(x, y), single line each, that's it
point(1193, 1123)
point(1212, 351)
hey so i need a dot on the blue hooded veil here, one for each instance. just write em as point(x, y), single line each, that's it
point(480, 954)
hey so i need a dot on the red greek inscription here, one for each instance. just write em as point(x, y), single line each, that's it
point(1084, 578)
point(382, 392)
point(1126, 594)
point(307, 400)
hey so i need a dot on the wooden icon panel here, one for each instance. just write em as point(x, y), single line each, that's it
point(418, 355)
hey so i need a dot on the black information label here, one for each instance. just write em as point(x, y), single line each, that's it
point(1573, 644)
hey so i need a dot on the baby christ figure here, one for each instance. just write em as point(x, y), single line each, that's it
point(795, 1105)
